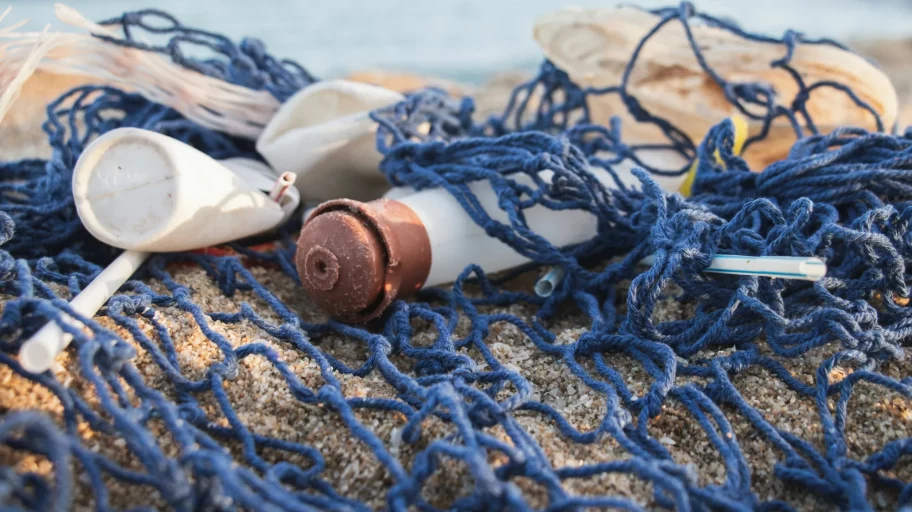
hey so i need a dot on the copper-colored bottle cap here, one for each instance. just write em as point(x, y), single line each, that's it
point(355, 258)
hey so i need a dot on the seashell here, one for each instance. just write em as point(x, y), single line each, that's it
point(594, 46)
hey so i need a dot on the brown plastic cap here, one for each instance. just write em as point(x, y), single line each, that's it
point(355, 258)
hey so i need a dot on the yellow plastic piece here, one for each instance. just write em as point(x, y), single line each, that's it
point(740, 137)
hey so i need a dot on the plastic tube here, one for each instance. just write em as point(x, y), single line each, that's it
point(38, 352)
point(281, 187)
point(342, 238)
point(545, 286)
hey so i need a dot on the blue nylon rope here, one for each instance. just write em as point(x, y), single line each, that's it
point(247, 64)
point(847, 202)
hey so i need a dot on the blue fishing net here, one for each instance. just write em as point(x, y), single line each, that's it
point(841, 196)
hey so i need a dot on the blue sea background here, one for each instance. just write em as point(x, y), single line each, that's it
point(458, 39)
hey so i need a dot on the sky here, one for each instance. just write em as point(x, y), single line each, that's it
point(454, 38)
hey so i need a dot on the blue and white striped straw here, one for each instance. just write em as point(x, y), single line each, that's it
point(784, 267)
point(779, 267)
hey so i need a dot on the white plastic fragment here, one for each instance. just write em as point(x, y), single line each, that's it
point(324, 135)
point(783, 267)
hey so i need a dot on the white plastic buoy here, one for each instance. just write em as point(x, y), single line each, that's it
point(324, 135)
point(145, 192)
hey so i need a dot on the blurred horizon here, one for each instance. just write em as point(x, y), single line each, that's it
point(462, 40)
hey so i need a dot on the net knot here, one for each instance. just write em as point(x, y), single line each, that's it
point(752, 92)
point(7, 266)
point(442, 363)
point(113, 353)
point(129, 305)
point(535, 164)
point(651, 403)
point(255, 49)
point(596, 341)
point(622, 417)
point(482, 416)
point(191, 413)
point(739, 361)
point(224, 370)
point(7, 227)
point(686, 10)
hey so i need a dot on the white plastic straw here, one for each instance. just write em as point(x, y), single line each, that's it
point(38, 353)
point(282, 184)
point(781, 267)
point(784, 267)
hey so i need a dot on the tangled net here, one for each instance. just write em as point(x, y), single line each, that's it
point(847, 202)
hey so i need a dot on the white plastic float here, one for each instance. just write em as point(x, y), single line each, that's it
point(145, 192)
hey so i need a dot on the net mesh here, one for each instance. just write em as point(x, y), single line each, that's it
point(842, 197)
